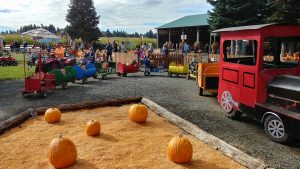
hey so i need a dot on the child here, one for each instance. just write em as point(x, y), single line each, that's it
point(193, 63)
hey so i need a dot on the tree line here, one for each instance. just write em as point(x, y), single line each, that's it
point(121, 33)
point(56, 30)
point(229, 13)
point(51, 28)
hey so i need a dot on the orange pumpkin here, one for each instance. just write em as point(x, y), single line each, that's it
point(62, 152)
point(93, 128)
point(138, 113)
point(180, 149)
point(52, 115)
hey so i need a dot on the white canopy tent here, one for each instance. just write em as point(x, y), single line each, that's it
point(42, 35)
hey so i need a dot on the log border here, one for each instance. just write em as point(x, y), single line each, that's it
point(214, 142)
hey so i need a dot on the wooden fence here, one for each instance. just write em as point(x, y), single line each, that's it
point(158, 59)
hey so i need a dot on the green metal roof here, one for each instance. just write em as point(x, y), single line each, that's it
point(187, 21)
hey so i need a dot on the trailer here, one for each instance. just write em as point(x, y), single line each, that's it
point(124, 69)
point(84, 72)
point(178, 69)
point(208, 78)
point(260, 76)
point(38, 83)
point(105, 69)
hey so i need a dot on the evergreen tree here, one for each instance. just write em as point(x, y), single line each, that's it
point(51, 28)
point(149, 34)
point(228, 13)
point(284, 11)
point(219, 17)
point(108, 33)
point(83, 20)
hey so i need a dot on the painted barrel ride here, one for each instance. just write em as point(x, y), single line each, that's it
point(123, 69)
point(64, 76)
point(178, 69)
point(84, 72)
point(104, 69)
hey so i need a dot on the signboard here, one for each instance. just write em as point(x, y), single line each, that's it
point(204, 58)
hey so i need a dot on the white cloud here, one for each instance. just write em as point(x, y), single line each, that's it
point(128, 15)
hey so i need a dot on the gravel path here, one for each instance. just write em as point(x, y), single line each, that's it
point(177, 95)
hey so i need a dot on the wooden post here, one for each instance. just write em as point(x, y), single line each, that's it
point(198, 34)
point(169, 35)
point(157, 38)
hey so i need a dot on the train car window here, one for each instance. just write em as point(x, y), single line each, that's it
point(240, 51)
point(281, 52)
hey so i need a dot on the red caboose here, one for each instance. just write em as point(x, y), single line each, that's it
point(260, 76)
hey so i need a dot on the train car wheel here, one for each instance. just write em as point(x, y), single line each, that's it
point(275, 129)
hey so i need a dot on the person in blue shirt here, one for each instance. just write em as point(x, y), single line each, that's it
point(186, 48)
point(109, 50)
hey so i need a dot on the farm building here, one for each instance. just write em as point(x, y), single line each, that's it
point(195, 27)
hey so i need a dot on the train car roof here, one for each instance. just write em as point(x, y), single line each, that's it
point(239, 28)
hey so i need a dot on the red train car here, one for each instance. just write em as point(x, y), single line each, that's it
point(123, 69)
point(260, 76)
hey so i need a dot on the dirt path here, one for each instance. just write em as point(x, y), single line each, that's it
point(177, 95)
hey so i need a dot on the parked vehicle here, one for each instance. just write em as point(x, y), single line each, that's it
point(260, 76)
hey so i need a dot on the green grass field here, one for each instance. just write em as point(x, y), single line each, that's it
point(13, 72)
point(130, 42)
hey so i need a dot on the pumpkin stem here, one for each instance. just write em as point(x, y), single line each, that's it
point(181, 133)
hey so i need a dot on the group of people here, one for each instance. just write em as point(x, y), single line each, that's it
point(184, 47)
point(114, 47)
point(144, 51)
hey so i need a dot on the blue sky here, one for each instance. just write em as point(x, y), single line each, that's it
point(131, 16)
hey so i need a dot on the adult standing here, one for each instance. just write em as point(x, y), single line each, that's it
point(17, 46)
point(123, 47)
point(109, 50)
point(25, 46)
point(95, 46)
point(150, 50)
point(4, 44)
point(12, 45)
point(186, 48)
point(144, 47)
point(165, 50)
point(206, 48)
point(115, 46)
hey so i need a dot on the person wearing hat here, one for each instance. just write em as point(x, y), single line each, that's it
point(59, 51)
